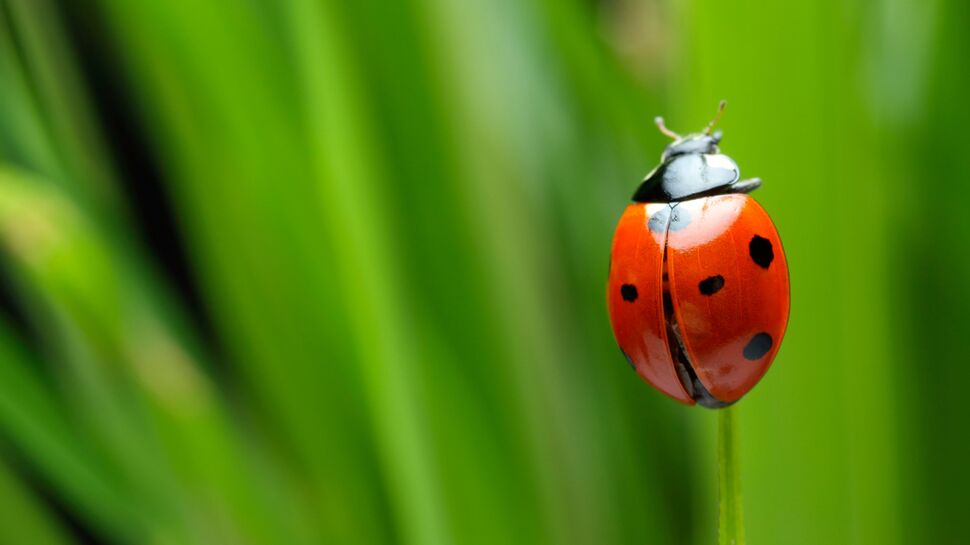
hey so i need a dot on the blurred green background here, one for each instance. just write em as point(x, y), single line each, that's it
point(307, 272)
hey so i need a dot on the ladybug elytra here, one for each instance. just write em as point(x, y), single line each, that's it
point(698, 291)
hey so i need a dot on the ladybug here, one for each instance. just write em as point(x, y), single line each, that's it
point(698, 292)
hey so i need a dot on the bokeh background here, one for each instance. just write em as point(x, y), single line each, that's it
point(299, 272)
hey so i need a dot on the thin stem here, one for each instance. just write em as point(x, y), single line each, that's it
point(731, 519)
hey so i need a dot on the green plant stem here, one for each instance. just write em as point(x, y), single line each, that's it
point(731, 518)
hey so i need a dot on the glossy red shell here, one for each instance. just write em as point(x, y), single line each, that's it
point(728, 283)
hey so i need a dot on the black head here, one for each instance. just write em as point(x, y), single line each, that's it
point(692, 143)
point(702, 142)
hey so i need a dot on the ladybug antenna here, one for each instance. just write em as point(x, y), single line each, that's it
point(717, 117)
point(664, 130)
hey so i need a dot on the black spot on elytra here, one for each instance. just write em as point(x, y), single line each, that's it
point(711, 285)
point(628, 292)
point(761, 251)
point(758, 346)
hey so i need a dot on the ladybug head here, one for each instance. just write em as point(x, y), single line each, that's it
point(702, 142)
point(692, 143)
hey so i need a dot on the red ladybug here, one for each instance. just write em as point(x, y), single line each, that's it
point(698, 286)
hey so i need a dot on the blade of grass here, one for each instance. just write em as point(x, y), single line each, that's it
point(229, 128)
point(63, 114)
point(141, 388)
point(196, 432)
point(25, 520)
point(730, 513)
point(39, 425)
point(339, 130)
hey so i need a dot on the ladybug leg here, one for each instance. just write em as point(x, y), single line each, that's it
point(746, 186)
